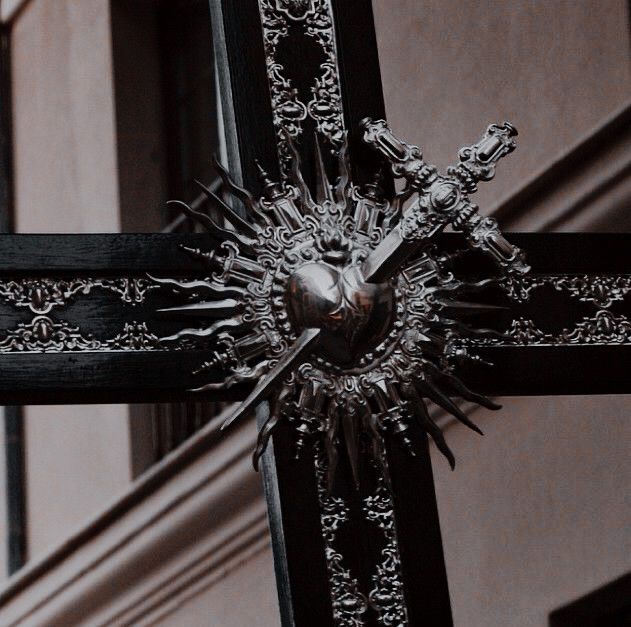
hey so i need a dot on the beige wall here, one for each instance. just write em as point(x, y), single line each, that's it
point(555, 68)
point(534, 515)
point(77, 458)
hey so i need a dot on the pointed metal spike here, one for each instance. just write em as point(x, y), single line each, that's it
point(215, 309)
point(419, 410)
point(298, 353)
point(228, 213)
point(323, 187)
point(428, 389)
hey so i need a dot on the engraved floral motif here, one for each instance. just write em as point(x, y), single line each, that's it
point(349, 604)
point(325, 106)
point(387, 596)
point(41, 295)
point(600, 290)
point(603, 328)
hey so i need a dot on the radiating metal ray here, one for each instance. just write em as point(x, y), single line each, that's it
point(330, 443)
point(269, 426)
point(427, 389)
point(208, 332)
point(228, 213)
point(419, 410)
point(464, 286)
point(461, 389)
point(239, 376)
point(296, 354)
point(212, 227)
point(238, 192)
point(208, 309)
point(196, 286)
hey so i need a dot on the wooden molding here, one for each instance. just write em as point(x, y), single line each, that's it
point(586, 188)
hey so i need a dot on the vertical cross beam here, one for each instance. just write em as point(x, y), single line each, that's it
point(306, 67)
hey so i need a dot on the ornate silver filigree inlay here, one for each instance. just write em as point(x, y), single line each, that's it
point(41, 295)
point(386, 597)
point(349, 604)
point(600, 290)
point(325, 104)
point(42, 334)
point(603, 328)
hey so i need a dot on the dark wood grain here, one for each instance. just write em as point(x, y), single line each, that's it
point(125, 254)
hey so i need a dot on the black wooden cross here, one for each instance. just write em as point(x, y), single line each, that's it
point(81, 320)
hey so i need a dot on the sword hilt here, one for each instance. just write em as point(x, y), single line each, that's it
point(443, 199)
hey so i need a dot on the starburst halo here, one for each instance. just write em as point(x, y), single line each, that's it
point(338, 305)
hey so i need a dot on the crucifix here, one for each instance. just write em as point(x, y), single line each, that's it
point(329, 301)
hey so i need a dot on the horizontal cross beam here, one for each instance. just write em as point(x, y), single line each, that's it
point(80, 320)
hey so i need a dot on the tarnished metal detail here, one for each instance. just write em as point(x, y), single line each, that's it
point(325, 105)
point(41, 295)
point(349, 604)
point(600, 290)
point(349, 355)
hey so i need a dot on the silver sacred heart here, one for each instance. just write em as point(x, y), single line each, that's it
point(353, 315)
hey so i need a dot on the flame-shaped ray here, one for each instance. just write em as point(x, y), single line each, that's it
point(419, 411)
point(269, 426)
point(238, 376)
point(427, 389)
point(207, 333)
point(212, 227)
point(228, 213)
point(324, 192)
point(343, 184)
point(222, 291)
point(461, 389)
point(296, 176)
point(239, 193)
